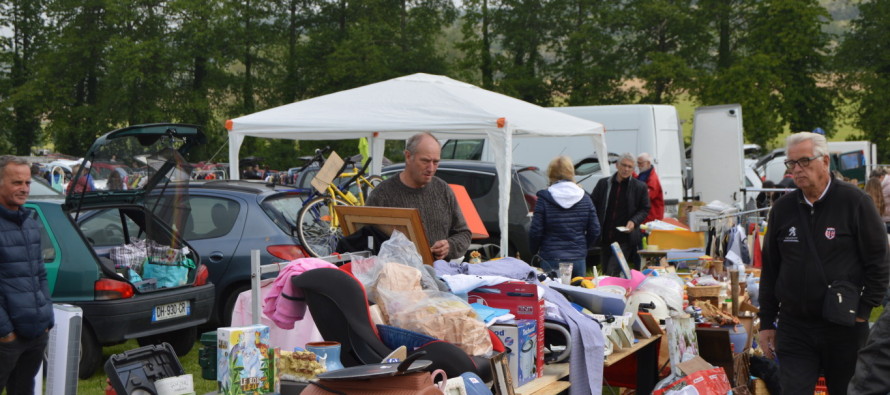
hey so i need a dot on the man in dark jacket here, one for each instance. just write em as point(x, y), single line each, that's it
point(26, 312)
point(621, 201)
point(825, 231)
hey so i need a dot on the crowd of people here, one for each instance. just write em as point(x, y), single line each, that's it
point(567, 222)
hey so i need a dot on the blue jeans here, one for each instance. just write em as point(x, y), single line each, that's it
point(579, 266)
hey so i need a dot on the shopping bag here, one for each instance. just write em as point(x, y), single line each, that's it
point(168, 275)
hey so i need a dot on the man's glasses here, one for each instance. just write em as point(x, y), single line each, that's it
point(803, 162)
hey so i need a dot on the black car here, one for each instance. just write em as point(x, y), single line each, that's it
point(481, 181)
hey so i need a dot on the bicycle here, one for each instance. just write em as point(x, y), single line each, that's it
point(318, 227)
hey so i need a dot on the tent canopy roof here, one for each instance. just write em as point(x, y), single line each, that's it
point(398, 108)
point(401, 107)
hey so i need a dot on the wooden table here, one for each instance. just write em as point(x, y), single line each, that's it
point(548, 384)
point(646, 352)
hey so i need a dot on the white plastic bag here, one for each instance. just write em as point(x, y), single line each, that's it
point(399, 249)
point(441, 315)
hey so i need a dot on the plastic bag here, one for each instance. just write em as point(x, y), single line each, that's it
point(399, 249)
point(167, 275)
point(438, 314)
point(130, 255)
point(367, 271)
point(669, 289)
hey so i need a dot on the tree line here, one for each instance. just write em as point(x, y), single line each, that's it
point(71, 70)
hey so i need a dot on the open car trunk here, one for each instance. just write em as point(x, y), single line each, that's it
point(107, 199)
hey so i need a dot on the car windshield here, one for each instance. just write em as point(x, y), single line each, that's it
point(532, 180)
point(39, 187)
point(587, 168)
point(282, 210)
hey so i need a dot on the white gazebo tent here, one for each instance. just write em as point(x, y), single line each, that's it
point(401, 107)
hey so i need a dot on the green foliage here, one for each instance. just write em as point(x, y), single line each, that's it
point(667, 41)
point(866, 74)
point(590, 67)
point(789, 32)
point(71, 70)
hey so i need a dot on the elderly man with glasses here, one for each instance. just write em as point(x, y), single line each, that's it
point(825, 232)
point(622, 203)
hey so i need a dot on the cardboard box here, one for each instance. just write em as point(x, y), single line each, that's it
point(521, 298)
point(521, 341)
point(245, 360)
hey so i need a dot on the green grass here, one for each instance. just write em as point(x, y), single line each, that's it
point(96, 385)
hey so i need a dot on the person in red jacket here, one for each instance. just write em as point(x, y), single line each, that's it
point(656, 195)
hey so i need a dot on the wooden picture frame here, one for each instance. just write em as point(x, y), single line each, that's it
point(387, 219)
point(500, 372)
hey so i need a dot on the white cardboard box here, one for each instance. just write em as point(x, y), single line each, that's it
point(521, 340)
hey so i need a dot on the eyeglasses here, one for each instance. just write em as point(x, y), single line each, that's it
point(803, 162)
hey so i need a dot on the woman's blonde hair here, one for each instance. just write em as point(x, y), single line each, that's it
point(873, 189)
point(561, 168)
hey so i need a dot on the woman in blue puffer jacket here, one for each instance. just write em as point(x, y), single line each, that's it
point(565, 222)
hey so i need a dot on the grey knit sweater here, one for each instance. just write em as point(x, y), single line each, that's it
point(439, 211)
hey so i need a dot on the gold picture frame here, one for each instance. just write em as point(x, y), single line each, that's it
point(387, 219)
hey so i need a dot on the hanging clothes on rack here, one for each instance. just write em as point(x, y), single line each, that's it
point(737, 248)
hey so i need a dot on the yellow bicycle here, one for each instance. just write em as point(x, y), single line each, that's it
point(318, 227)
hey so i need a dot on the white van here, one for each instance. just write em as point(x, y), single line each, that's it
point(638, 128)
point(634, 128)
point(718, 167)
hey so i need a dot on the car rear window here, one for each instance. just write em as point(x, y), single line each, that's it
point(532, 180)
point(477, 184)
point(282, 209)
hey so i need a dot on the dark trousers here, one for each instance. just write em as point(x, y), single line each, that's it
point(21, 359)
point(804, 348)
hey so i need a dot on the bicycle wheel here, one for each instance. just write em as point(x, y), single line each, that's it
point(374, 181)
point(317, 226)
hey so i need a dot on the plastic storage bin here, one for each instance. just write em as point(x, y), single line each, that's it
point(207, 356)
point(139, 368)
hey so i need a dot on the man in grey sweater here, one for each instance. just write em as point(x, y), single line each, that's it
point(418, 187)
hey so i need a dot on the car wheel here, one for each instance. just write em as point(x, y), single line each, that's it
point(182, 340)
point(225, 316)
point(90, 353)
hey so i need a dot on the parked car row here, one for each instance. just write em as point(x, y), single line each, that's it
point(205, 229)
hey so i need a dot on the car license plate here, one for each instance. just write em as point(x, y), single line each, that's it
point(171, 310)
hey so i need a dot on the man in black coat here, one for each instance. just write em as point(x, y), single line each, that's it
point(827, 233)
point(624, 202)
